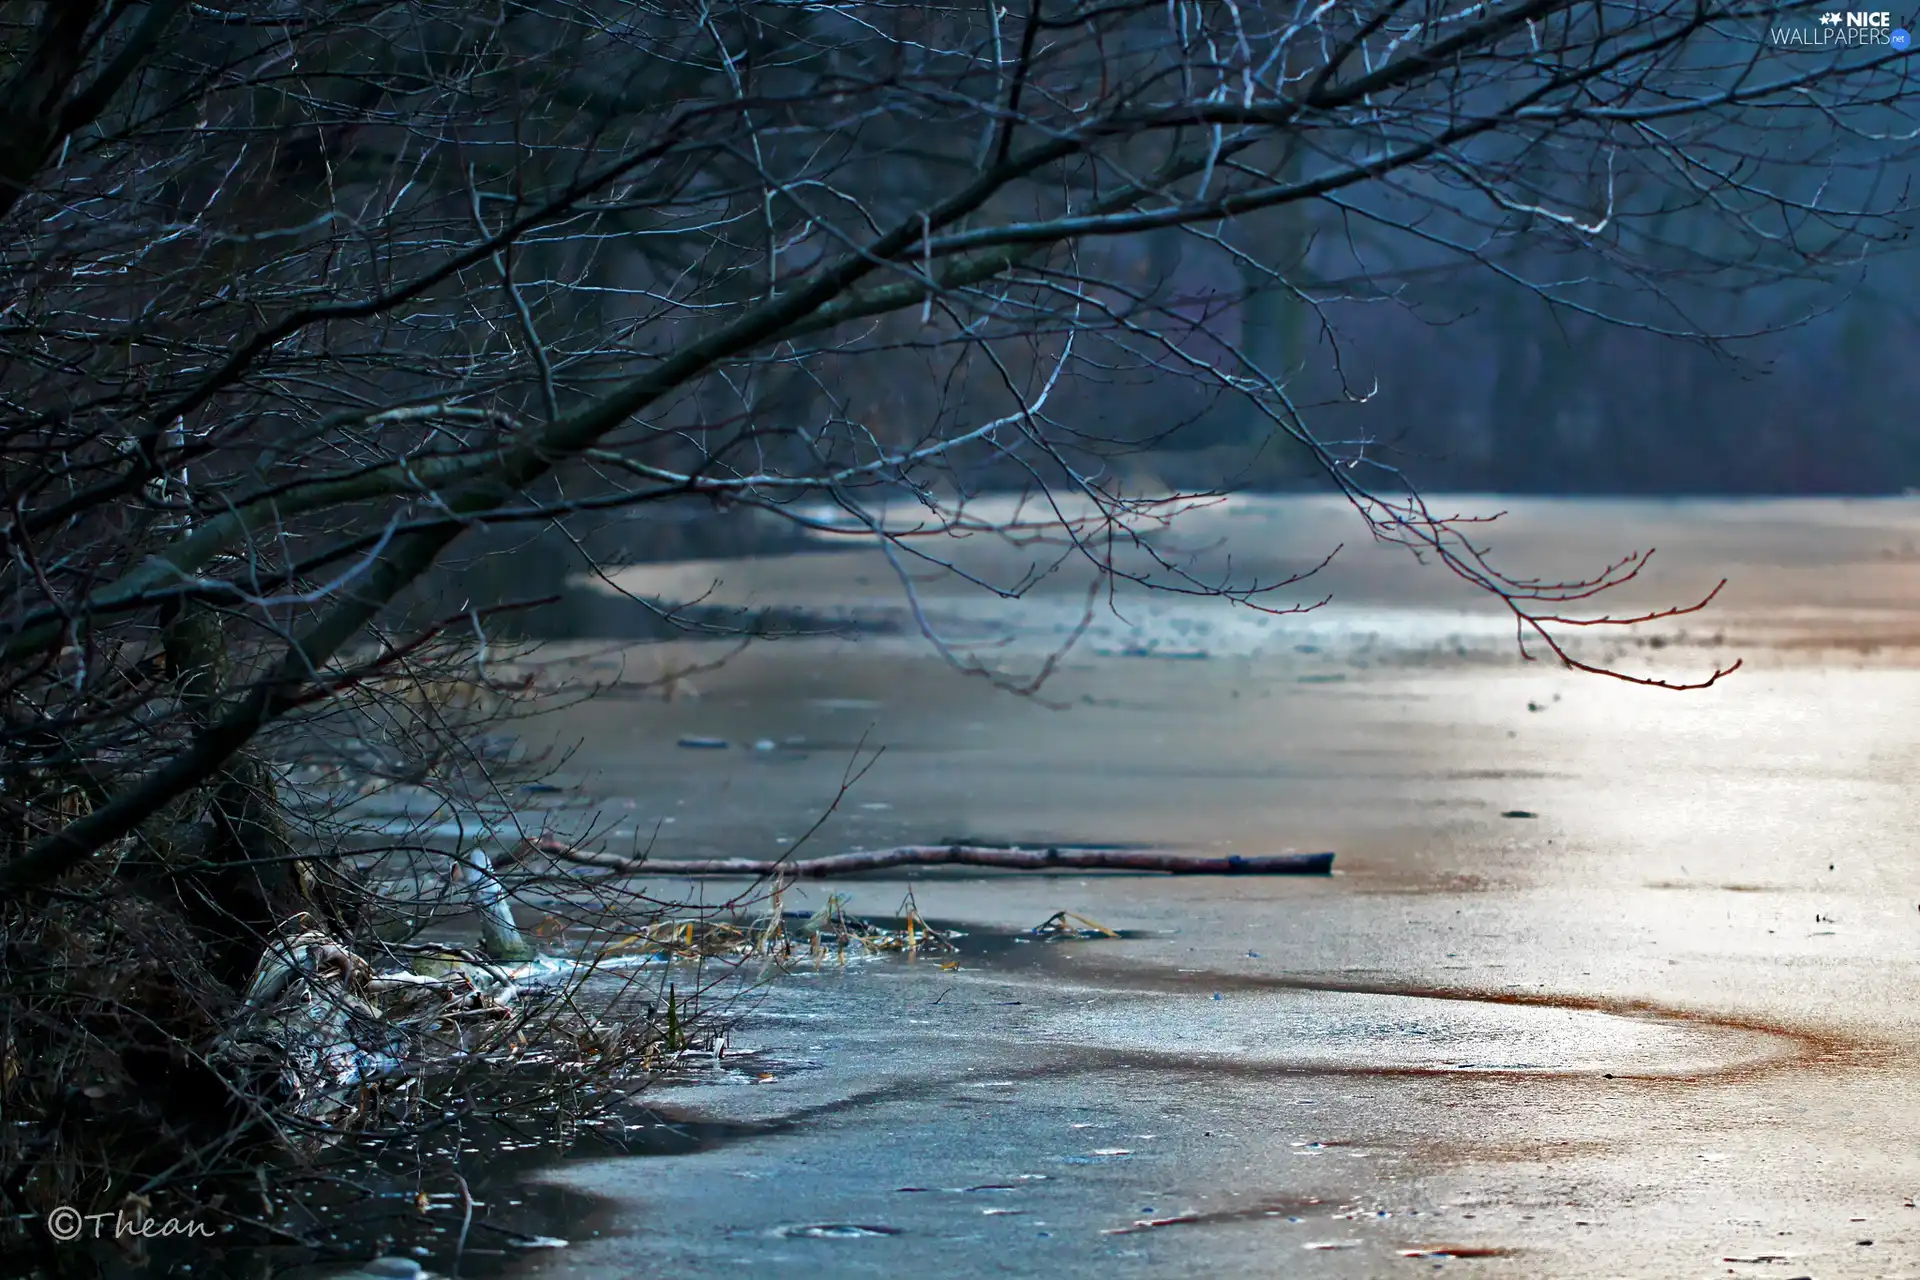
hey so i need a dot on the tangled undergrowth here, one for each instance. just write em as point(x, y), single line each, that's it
point(137, 1079)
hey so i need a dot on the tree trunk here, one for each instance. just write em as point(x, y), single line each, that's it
point(235, 875)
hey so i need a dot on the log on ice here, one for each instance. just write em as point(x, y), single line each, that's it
point(962, 855)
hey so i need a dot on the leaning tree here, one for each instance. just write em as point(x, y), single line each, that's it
point(298, 294)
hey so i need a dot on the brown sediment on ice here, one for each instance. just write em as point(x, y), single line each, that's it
point(1281, 1207)
point(1795, 1047)
point(1493, 1150)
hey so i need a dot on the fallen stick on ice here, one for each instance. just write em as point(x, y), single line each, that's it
point(964, 855)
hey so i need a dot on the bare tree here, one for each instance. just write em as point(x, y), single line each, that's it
point(298, 294)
